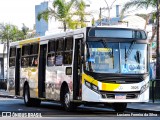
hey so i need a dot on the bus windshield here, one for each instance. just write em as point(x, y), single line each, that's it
point(107, 57)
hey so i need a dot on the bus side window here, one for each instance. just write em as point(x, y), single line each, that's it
point(51, 53)
point(68, 50)
point(33, 56)
point(25, 61)
point(59, 52)
point(25, 56)
point(12, 56)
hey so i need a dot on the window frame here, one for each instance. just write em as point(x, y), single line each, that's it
point(31, 57)
point(68, 51)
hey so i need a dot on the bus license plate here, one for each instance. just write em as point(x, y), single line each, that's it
point(120, 96)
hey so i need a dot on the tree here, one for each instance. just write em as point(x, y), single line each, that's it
point(8, 33)
point(25, 30)
point(63, 12)
point(139, 4)
point(80, 6)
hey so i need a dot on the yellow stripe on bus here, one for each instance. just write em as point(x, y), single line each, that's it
point(109, 86)
point(89, 79)
point(104, 87)
point(28, 41)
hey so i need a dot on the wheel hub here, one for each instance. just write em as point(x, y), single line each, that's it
point(67, 100)
point(26, 96)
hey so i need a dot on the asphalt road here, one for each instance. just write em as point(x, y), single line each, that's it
point(47, 110)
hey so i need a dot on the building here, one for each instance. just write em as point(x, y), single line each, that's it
point(42, 25)
point(132, 21)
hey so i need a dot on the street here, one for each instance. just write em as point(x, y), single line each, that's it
point(48, 110)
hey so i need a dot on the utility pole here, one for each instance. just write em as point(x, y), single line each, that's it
point(109, 9)
point(100, 16)
point(158, 46)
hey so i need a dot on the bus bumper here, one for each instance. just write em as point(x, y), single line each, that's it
point(90, 95)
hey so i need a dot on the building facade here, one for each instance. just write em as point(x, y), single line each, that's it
point(42, 25)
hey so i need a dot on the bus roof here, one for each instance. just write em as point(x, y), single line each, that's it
point(63, 34)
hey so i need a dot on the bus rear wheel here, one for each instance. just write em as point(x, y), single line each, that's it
point(30, 101)
point(119, 107)
point(66, 102)
point(26, 96)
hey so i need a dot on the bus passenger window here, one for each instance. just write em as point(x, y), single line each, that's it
point(59, 60)
point(50, 60)
point(33, 61)
point(68, 58)
point(68, 50)
point(12, 56)
point(51, 53)
point(25, 62)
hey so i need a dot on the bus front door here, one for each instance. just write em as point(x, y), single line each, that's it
point(41, 71)
point(77, 68)
point(17, 72)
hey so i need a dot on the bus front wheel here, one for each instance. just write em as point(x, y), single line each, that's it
point(66, 102)
point(119, 107)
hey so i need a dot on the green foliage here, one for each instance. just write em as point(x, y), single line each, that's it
point(138, 4)
point(9, 32)
point(62, 11)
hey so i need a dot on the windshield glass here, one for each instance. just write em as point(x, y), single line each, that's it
point(133, 58)
point(103, 57)
point(106, 57)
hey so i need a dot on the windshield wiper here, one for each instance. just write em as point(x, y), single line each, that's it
point(110, 53)
point(127, 54)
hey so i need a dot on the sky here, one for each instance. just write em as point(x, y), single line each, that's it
point(23, 11)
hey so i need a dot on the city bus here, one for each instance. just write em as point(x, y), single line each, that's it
point(96, 65)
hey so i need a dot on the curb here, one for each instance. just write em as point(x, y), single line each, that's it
point(11, 96)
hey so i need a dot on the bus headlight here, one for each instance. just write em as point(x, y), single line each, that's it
point(88, 84)
point(91, 86)
point(94, 87)
point(144, 88)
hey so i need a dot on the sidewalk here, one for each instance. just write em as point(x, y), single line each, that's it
point(4, 93)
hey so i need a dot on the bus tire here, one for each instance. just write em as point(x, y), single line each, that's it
point(119, 107)
point(67, 104)
point(26, 96)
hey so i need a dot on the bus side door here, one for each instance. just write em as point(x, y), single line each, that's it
point(77, 68)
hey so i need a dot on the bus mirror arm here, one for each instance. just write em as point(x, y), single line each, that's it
point(82, 59)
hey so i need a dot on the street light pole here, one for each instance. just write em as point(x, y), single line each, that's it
point(109, 10)
point(158, 48)
point(100, 16)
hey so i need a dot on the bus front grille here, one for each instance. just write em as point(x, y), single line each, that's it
point(126, 95)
